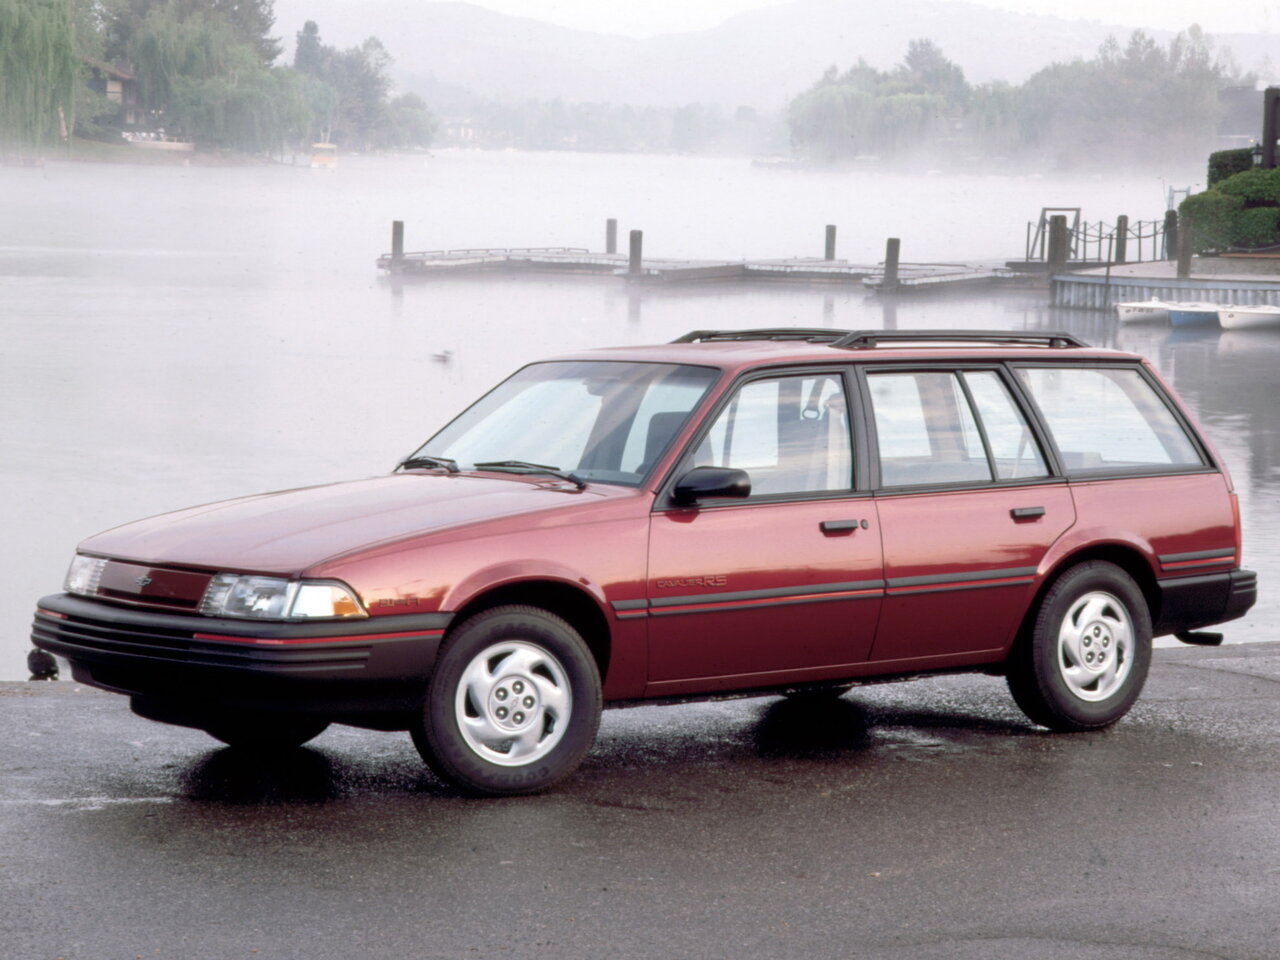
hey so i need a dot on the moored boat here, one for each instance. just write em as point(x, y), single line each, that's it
point(1142, 311)
point(1242, 318)
point(1193, 314)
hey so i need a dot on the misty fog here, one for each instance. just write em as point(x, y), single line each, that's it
point(180, 335)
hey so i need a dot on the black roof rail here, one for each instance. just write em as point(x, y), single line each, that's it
point(862, 339)
point(811, 334)
point(859, 339)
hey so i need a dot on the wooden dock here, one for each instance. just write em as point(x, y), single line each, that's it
point(889, 275)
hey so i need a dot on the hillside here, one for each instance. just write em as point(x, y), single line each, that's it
point(761, 58)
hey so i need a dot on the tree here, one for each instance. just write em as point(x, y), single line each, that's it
point(39, 71)
point(196, 72)
point(248, 20)
point(349, 93)
point(868, 111)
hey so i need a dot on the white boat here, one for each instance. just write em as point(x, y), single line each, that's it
point(1143, 311)
point(1193, 314)
point(1243, 318)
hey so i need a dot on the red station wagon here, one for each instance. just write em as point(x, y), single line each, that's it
point(784, 511)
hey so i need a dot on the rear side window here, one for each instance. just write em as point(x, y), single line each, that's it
point(950, 428)
point(926, 430)
point(946, 427)
point(1108, 419)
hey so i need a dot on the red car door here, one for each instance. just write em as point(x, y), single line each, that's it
point(785, 585)
point(967, 508)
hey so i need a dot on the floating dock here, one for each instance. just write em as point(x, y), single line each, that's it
point(888, 276)
point(882, 276)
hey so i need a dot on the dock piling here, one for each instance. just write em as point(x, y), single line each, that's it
point(1270, 123)
point(1171, 235)
point(1121, 247)
point(830, 249)
point(1184, 251)
point(397, 244)
point(1059, 242)
point(611, 236)
point(634, 268)
point(892, 249)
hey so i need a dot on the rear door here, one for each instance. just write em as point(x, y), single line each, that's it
point(968, 508)
point(784, 586)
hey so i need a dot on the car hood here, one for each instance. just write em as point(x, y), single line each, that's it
point(288, 531)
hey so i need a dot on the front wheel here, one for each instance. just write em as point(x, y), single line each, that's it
point(1086, 657)
point(513, 704)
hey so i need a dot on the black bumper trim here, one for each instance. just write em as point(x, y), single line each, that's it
point(344, 663)
point(1202, 600)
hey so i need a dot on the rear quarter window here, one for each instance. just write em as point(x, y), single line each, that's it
point(1109, 419)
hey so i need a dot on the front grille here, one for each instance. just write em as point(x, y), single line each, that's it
point(162, 588)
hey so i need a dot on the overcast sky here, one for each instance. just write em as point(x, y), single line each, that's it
point(646, 17)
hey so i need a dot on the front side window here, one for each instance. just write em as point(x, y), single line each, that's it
point(790, 434)
point(606, 421)
point(1108, 419)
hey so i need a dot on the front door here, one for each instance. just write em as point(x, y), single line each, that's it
point(785, 585)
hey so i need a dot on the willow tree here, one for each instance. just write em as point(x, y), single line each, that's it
point(38, 71)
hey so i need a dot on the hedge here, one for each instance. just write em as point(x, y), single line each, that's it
point(1226, 163)
point(1258, 227)
point(1254, 187)
point(1211, 216)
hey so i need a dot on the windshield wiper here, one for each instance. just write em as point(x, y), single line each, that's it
point(422, 461)
point(524, 466)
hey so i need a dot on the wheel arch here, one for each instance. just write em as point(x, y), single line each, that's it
point(1126, 557)
point(576, 607)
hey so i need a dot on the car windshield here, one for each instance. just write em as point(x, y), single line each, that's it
point(603, 421)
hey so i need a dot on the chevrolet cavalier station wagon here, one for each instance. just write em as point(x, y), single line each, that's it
point(788, 511)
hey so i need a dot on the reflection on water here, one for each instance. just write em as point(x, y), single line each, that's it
point(179, 336)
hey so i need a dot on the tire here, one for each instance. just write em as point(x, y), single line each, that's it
point(513, 705)
point(266, 731)
point(1086, 656)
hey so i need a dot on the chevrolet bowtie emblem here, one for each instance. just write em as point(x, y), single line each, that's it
point(142, 581)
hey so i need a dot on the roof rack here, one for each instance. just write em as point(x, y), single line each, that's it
point(811, 334)
point(864, 339)
point(860, 339)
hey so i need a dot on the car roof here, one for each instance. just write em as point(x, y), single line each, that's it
point(744, 349)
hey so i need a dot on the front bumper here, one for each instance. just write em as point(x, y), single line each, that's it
point(333, 668)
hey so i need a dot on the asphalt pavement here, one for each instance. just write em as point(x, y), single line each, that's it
point(915, 821)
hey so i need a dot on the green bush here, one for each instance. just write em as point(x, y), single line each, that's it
point(1211, 218)
point(1257, 227)
point(1254, 187)
point(1226, 163)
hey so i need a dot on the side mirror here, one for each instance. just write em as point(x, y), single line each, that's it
point(702, 483)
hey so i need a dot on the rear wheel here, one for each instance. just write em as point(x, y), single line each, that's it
point(1086, 658)
point(513, 704)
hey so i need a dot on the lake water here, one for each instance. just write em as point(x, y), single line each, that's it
point(179, 335)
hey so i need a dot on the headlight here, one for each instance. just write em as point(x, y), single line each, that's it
point(83, 575)
point(271, 598)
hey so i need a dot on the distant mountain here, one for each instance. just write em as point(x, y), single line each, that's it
point(761, 58)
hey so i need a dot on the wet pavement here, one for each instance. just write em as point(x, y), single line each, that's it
point(900, 822)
